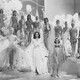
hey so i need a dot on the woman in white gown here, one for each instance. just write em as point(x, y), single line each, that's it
point(40, 53)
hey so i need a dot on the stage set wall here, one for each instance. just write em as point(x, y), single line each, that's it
point(77, 5)
point(58, 7)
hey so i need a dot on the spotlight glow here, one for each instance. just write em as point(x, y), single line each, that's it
point(15, 5)
point(28, 8)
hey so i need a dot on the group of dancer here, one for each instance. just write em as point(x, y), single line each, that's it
point(24, 44)
point(66, 42)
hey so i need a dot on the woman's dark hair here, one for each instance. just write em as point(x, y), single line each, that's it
point(28, 17)
point(34, 36)
point(57, 21)
point(14, 12)
point(1, 11)
point(46, 20)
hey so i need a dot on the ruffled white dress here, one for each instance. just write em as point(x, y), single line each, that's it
point(40, 54)
point(29, 55)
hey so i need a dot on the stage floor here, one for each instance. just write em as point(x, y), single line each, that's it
point(70, 70)
point(12, 75)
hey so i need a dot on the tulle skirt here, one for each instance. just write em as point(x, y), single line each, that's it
point(40, 54)
point(29, 54)
point(20, 59)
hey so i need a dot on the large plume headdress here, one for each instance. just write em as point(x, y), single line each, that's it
point(69, 18)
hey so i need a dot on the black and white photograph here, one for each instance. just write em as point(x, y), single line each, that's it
point(39, 39)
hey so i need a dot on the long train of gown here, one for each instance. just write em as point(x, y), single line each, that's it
point(21, 59)
point(29, 54)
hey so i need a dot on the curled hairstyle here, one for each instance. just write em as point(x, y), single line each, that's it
point(28, 17)
point(34, 36)
point(14, 12)
point(46, 20)
point(1, 11)
point(57, 21)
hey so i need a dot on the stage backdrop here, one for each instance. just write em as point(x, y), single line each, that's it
point(36, 5)
point(58, 7)
point(77, 6)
